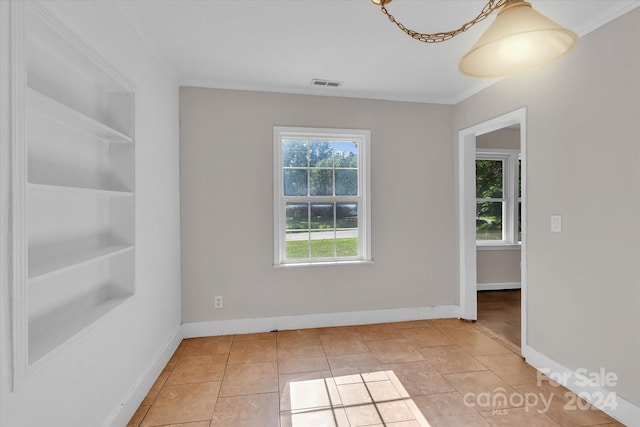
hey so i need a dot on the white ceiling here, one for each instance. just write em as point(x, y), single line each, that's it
point(280, 45)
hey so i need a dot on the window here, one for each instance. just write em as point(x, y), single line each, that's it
point(321, 203)
point(498, 198)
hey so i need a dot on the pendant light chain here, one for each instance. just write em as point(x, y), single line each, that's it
point(488, 9)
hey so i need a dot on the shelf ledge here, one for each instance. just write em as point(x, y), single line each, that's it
point(42, 104)
point(70, 256)
point(82, 190)
point(51, 331)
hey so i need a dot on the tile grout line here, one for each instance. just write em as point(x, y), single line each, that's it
point(357, 334)
point(278, 381)
point(163, 384)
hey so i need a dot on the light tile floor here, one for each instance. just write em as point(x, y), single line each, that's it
point(425, 373)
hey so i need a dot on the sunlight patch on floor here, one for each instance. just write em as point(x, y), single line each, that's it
point(366, 399)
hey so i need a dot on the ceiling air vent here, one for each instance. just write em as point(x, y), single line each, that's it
point(322, 82)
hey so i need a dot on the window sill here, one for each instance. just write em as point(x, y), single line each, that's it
point(322, 264)
point(499, 247)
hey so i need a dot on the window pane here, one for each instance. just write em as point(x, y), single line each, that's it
point(321, 195)
point(323, 244)
point(346, 246)
point(297, 216)
point(321, 182)
point(347, 215)
point(294, 153)
point(488, 179)
point(489, 221)
point(346, 182)
point(322, 216)
point(519, 177)
point(295, 182)
point(519, 222)
point(297, 244)
point(321, 154)
point(346, 154)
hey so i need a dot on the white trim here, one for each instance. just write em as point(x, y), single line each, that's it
point(489, 153)
point(18, 195)
point(625, 411)
point(136, 394)
point(467, 225)
point(498, 286)
point(7, 321)
point(363, 138)
point(304, 321)
point(498, 247)
point(510, 197)
point(323, 264)
point(523, 220)
point(607, 16)
point(466, 212)
point(344, 92)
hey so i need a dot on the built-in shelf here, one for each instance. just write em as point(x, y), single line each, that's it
point(45, 260)
point(53, 329)
point(75, 178)
point(80, 190)
point(51, 108)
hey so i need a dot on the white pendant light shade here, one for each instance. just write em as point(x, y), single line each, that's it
point(520, 39)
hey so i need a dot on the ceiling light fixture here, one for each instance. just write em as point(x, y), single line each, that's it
point(520, 39)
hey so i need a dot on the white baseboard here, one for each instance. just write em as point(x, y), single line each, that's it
point(624, 411)
point(139, 390)
point(303, 321)
point(498, 286)
point(137, 393)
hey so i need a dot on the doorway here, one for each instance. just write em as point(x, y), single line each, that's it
point(468, 202)
point(499, 311)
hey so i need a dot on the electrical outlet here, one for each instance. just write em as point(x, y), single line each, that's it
point(218, 301)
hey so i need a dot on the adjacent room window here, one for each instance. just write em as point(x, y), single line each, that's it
point(498, 198)
point(321, 203)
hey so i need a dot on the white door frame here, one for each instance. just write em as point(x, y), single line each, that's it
point(467, 209)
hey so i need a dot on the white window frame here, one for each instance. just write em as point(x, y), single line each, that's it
point(363, 138)
point(510, 198)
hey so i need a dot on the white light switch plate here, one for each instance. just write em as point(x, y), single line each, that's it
point(556, 223)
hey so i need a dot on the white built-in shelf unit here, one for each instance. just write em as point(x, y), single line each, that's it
point(79, 186)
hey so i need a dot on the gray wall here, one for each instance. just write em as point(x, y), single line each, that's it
point(499, 266)
point(227, 207)
point(583, 163)
point(583, 291)
point(504, 139)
